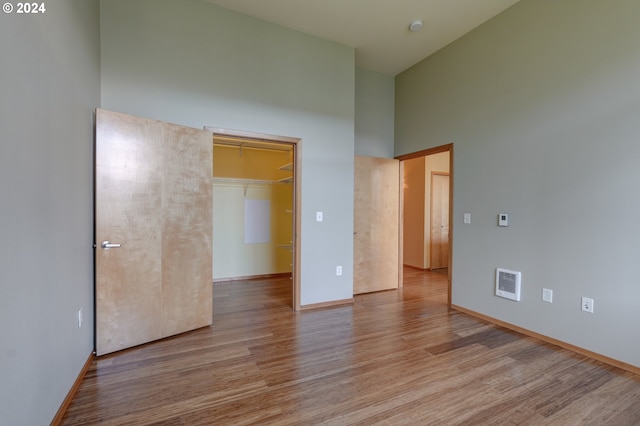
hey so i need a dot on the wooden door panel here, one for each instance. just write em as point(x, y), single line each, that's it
point(439, 221)
point(376, 224)
point(187, 232)
point(128, 179)
point(153, 196)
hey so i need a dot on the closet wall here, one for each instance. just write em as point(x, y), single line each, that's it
point(242, 176)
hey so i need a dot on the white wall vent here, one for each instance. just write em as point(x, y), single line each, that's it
point(508, 284)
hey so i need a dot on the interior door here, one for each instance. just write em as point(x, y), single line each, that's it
point(153, 212)
point(439, 220)
point(376, 224)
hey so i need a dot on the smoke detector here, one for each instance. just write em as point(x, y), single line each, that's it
point(415, 26)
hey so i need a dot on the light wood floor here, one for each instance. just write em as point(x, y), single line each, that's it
point(394, 357)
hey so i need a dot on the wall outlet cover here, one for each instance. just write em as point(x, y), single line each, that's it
point(587, 304)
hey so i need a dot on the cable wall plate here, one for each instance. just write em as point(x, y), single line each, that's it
point(508, 284)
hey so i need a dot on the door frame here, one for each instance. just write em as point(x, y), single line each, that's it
point(296, 143)
point(423, 153)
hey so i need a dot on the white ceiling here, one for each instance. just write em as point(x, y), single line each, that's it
point(377, 29)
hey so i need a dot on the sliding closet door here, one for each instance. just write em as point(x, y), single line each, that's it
point(153, 230)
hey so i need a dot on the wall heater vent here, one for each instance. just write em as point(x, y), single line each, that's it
point(508, 284)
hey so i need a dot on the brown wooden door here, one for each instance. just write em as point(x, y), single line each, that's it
point(439, 247)
point(376, 224)
point(154, 200)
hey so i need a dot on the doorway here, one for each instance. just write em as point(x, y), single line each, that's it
point(256, 207)
point(427, 208)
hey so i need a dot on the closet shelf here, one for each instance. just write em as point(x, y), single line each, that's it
point(288, 167)
point(239, 181)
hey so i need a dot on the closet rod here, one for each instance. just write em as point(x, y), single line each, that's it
point(248, 145)
point(241, 181)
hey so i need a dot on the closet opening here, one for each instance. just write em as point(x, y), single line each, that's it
point(256, 189)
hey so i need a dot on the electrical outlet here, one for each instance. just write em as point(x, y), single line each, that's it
point(80, 318)
point(338, 270)
point(587, 305)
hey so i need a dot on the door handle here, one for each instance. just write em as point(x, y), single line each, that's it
point(108, 245)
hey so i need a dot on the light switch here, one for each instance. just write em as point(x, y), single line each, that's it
point(467, 218)
point(318, 216)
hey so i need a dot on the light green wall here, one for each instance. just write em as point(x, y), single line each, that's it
point(195, 64)
point(50, 85)
point(542, 105)
point(374, 114)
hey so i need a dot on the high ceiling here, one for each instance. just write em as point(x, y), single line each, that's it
point(377, 29)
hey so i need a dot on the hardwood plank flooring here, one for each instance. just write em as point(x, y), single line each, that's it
point(392, 358)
